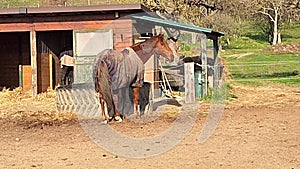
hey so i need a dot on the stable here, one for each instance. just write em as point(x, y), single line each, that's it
point(32, 38)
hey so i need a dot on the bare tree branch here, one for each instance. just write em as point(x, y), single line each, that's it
point(267, 14)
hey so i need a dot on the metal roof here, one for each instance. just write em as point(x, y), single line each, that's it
point(176, 25)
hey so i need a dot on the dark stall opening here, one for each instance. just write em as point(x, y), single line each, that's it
point(14, 56)
point(49, 46)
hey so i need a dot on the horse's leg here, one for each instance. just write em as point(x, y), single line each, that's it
point(104, 112)
point(117, 114)
point(136, 101)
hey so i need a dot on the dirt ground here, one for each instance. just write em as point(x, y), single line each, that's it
point(259, 129)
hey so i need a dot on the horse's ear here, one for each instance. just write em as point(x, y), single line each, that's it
point(161, 35)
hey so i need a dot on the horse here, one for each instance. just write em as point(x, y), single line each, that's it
point(113, 70)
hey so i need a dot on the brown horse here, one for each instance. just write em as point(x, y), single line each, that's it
point(114, 70)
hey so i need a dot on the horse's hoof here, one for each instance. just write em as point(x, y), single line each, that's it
point(137, 115)
point(118, 119)
point(104, 122)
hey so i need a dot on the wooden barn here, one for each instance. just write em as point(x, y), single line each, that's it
point(32, 38)
point(29, 35)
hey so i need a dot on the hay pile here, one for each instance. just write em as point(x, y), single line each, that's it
point(18, 106)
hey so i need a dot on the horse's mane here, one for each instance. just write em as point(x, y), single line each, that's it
point(146, 45)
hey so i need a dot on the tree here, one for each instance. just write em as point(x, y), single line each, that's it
point(272, 9)
point(276, 12)
point(190, 11)
point(220, 15)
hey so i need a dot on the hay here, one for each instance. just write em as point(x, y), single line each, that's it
point(20, 107)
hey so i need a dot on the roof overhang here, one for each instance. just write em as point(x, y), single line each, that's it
point(177, 25)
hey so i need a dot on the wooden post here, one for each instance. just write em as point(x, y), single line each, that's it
point(33, 61)
point(50, 71)
point(204, 63)
point(189, 80)
point(216, 64)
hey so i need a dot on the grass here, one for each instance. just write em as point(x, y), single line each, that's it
point(262, 67)
point(290, 33)
point(48, 3)
point(265, 69)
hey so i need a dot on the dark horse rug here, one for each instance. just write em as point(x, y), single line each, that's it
point(125, 70)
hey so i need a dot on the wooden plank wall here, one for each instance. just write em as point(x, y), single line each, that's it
point(123, 36)
point(43, 70)
point(26, 75)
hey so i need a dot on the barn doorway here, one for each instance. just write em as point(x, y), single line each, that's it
point(14, 52)
point(49, 46)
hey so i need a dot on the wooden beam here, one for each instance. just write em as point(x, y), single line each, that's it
point(216, 64)
point(189, 80)
point(203, 56)
point(67, 25)
point(50, 70)
point(15, 27)
point(33, 52)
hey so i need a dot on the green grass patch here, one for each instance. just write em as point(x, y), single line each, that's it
point(263, 69)
point(53, 3)
point(250, 62)
point(18, 3)
point(290, 33)
point(245, 43)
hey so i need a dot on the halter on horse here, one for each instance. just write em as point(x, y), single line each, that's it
point(113, 70)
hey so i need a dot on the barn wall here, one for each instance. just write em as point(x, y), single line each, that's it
point(122, 28)
point(52, 33)
point(14, 51)
point(123, 36)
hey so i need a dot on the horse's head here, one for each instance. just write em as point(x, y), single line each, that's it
point(155, 44)
point(162, 48)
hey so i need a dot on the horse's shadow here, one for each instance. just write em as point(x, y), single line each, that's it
point(125, 101)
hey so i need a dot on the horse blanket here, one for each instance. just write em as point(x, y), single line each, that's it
point(125, 68)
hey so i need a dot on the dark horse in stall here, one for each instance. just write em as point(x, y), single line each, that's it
point(113, 70)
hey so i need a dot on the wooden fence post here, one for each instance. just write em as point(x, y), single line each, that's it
point(33, 62)
point(204, 63)
point(189, 80)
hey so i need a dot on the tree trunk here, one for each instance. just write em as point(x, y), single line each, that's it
point(279, 38)
point(275, 28)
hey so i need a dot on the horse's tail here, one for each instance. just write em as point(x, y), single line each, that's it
point(102, 83)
